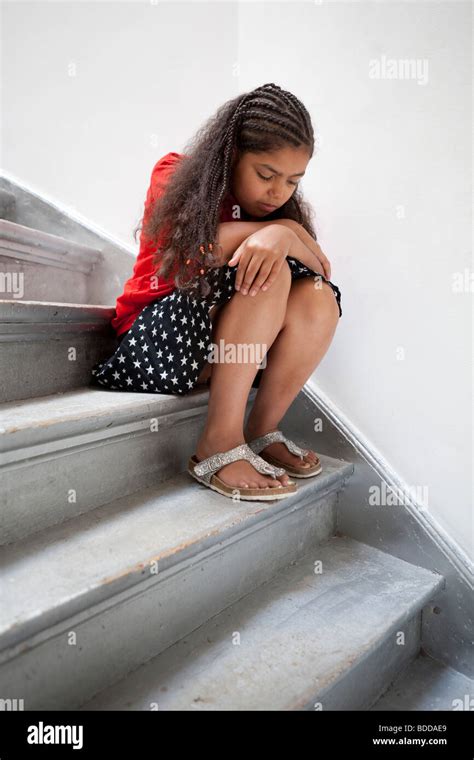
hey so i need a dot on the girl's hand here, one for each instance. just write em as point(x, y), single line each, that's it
point(321, 259)
point(260, 258)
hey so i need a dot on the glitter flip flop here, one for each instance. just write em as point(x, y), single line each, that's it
point(204, 470)
point(276, 436)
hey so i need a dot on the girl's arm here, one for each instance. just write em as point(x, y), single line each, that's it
point(232, 234)
point(310, 243)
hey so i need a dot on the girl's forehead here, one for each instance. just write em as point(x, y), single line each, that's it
point(284, 160)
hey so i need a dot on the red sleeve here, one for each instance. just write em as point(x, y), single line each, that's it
point(137, 291)
point(160, 175)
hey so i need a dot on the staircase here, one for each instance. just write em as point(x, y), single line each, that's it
point(128, 585)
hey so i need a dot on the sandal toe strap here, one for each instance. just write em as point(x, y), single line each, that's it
point(276, 436)
point(207, 467)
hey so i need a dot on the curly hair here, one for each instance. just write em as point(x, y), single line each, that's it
point(186, 216)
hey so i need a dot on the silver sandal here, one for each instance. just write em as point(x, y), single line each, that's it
point(276, 436)
point(204, 470)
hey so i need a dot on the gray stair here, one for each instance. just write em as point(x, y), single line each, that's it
point(51, 347)
point(7, 204)
point(64, 454)
point(303, 640)
point(39, 266)
point(88, 601)
point(426, 684)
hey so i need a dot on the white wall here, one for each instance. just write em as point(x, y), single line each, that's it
point(390, 183)
point(94, 93)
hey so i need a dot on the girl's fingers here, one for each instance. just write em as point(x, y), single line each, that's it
point(272, 276)
point(240, 273)
point(251, 268)
point(326, 266)
point(235, 256)
point(261, 281)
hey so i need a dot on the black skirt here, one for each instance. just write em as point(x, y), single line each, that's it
point(166, 348)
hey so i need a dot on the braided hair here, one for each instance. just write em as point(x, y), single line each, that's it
point(187, 215)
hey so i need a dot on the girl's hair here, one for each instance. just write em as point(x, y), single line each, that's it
point(187, 214)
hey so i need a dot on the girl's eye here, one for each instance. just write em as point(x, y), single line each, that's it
point(267, 179)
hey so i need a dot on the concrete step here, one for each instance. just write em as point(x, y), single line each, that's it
point(426, 684)
point(302, 641)
point(39, 266)
point(7, 204)
point(64, 454)
point(86, 602)
point(51, 347)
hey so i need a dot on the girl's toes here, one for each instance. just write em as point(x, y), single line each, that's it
point(275, 483)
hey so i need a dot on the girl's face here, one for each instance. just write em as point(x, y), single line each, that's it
point(267, 178)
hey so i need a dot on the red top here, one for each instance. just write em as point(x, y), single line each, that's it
point(145, 286)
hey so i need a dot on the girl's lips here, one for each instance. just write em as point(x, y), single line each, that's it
point(267, 206)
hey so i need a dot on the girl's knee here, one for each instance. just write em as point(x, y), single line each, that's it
point(327, 304)
point(317, 298)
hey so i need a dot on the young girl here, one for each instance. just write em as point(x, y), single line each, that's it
point(227, 230)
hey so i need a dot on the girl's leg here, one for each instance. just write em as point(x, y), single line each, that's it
point(207, 369)
point(247, 320)
point(312, 316)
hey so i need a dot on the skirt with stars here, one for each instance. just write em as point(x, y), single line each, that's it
point(167, 347)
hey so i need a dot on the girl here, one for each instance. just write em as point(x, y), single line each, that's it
point(231, 237)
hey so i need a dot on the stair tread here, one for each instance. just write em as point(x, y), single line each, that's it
point(300, 633)
point(54, 573)
point(87, 406)
point(14, 232)
point(20, 309)
point(427, 684)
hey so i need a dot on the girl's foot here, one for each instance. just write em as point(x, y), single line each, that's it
point(279, 449)
point(239, 474)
